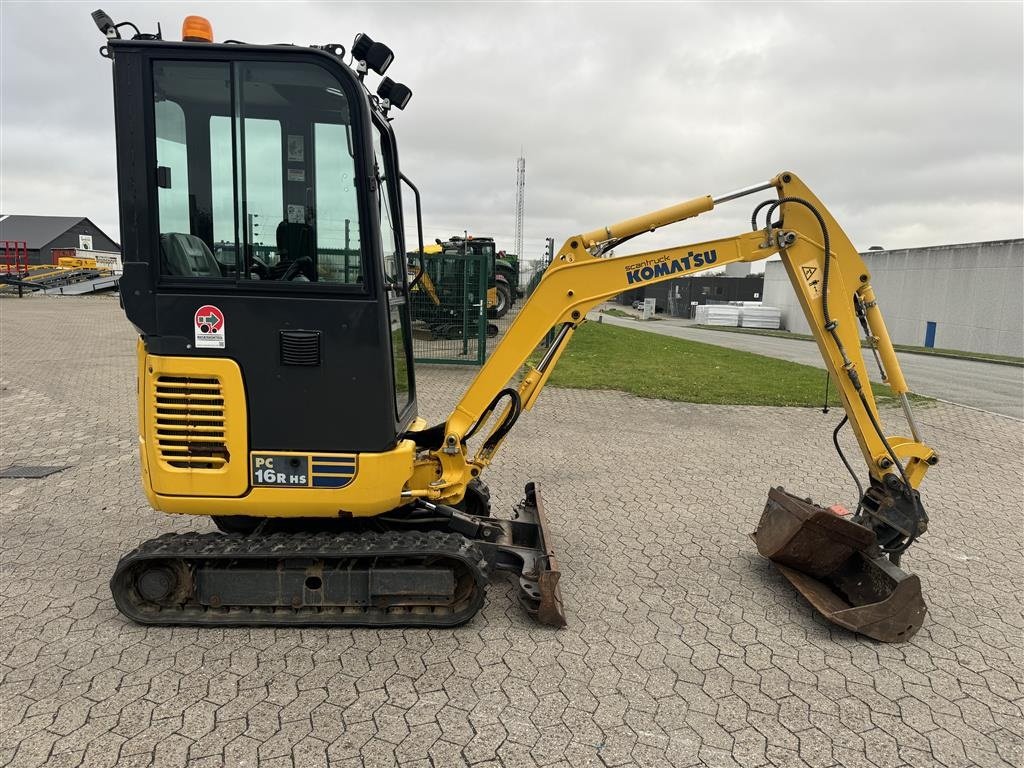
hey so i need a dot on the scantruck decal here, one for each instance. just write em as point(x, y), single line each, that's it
point(654, 268)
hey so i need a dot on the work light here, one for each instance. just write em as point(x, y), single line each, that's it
point(396, 93)
point(377, 56)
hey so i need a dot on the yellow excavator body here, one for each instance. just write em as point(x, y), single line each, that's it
point(278, 396)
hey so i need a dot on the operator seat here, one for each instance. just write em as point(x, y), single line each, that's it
point(185, 255)
point(295, 243)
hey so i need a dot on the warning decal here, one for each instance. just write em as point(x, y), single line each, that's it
point(813, 284)
point(209, 327)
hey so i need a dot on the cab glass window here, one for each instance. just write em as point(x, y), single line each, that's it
point(393, 271)
point(394, 267)
point(300, 203)
point(256, 173)
point(338, 253)
point(264, 192)
point(186, 95)
point(222, 179)
point(173, 160)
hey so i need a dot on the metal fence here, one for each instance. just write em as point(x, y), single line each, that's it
point(449, 312)
point(529, 277)
point(457, 315)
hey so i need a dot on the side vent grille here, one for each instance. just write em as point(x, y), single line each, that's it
point(300, 347)
point(190, 425)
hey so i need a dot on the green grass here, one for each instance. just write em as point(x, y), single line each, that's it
point(629, 316)
point(935, 351)
point(618, 313)
point(651, 365)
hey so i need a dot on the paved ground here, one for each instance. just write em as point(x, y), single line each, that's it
point(989, 386)
point(683, 647)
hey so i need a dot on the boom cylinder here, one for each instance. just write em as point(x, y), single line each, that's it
point(628, 227)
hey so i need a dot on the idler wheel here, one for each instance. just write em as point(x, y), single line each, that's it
point(156, 584)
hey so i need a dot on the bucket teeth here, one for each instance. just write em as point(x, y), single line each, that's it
point(837, 565)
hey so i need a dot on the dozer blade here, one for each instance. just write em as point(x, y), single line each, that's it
point(837, 565)
point(525, 549)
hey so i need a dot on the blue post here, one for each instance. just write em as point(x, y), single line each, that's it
point(929, 335)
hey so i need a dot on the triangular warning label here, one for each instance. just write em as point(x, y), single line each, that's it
point(809, 272)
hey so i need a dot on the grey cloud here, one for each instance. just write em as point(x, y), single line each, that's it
point(905, 118)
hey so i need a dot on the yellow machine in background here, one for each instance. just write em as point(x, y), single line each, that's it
point(439, 256)
point(76, 262)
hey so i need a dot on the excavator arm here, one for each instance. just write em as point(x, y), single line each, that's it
point(821, 554)
point(579, 279)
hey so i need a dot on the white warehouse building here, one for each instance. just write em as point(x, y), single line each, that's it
point(968, 297)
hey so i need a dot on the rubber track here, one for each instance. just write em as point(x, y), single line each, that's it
point(201, 547)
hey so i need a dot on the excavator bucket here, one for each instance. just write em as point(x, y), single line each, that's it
point(837, 565)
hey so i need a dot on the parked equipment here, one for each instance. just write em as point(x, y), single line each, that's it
point(444, 260)
point(446, 288)
point(280, 399)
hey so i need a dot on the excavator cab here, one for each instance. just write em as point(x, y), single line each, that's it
point(260, 185)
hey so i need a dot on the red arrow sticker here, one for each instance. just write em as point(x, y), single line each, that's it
point(209, 327)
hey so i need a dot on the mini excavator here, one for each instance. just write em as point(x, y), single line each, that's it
point(264, 268)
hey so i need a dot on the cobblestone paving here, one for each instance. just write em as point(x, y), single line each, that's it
point(683, 647)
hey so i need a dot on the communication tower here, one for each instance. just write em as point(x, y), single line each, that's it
point(520, 206)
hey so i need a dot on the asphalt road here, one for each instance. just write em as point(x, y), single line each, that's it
point(989, 386)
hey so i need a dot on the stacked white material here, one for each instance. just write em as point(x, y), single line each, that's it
point(718, 314)
point(760, 317)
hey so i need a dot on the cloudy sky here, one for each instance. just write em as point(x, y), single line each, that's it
point(906, 119)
